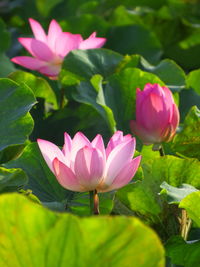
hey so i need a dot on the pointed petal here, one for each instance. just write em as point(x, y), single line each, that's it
point(127, 137)
point(148, 89)
point(139, 98)
point(82, 165)
point(168, 101)
point(168, 96)
point(26, 42)
point(97, 166)
point(118, 157)
point(65, 176)
point(157, 90)
point(67, 42)
point(99, 144)
point(38, 31)
point(92, 42)
point(93, 35)
point(89, 167)
point(167, 133)
point(67, 148)
point(127, 173)
point(114, 141)
point(50, 152)
point(53, 34)
point(170, 130)
point(67, 145)
point(124, 177)
point(78, 142)
point(175, 117)
point(41, 50)
point(29, 62)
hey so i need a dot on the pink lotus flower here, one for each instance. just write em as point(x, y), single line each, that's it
point(157, 116)
point(82, 165)
point(49, 50)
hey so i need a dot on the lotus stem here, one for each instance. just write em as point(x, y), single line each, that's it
point(186, 224)
point(161, 151)
point(94, 202)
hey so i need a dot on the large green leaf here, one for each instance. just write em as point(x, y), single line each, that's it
point(11, 179)
point(148, 153)
point(6, 66)
point(135, 39)
point(16, 123)
point(193, 80)
point(41, 180)
point(47, 101)
point(143, 196)
point(39, 86)
point(86, 63)
point(187, 142)
point(33, 236)
point(182, 253)
point(188, 99)
point(191, 204)
point(11, 152)
point(168, 71)
point(175, 194)
point(120, 93)
point(91, 93)
point(72, 118)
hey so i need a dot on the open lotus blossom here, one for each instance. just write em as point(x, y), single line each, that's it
point(82, 165)
point(49, 50)
point(157, 116)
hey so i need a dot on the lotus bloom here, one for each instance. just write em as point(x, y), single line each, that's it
point(82, 165)
point(49, 50)
point(157, 116)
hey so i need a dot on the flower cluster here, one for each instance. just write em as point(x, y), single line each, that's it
point(82, 165)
